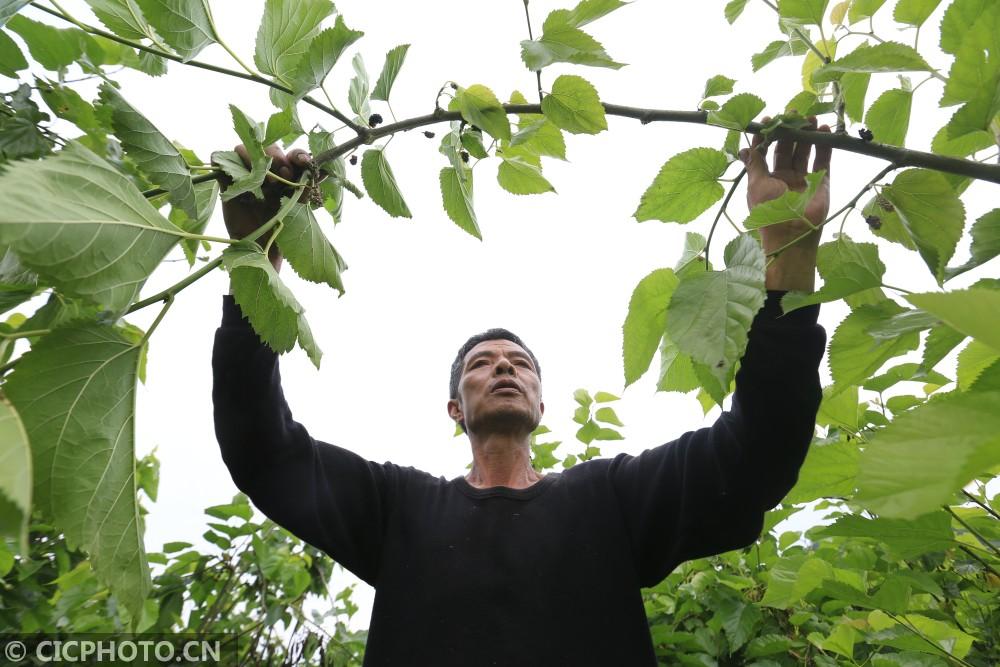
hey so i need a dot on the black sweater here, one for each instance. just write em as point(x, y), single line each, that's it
point(548, 575)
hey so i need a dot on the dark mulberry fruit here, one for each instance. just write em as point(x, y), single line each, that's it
point(884, 203)
point(874, 222)
point(866, 134)
point(465, 156)
point(374, 119)
point(428, 134)
point(354, 159)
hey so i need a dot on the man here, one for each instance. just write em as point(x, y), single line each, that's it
point(507, 566)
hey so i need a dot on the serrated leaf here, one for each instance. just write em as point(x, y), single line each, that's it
point(536, 134)
point(561, 41)
point(480, 107)
point(839, 12)
point(677, 371)
point(737, 112)
point(588, 11)
point(357, 93)
point(285, 31)
point(889, 117)
point(308, 250)
point(792, 578)
point(710, 313)
point(323, 52)
point(381, 185)
point(53, 48)
point(733, 10)
point(718, 85)
point(185, 25)
point(573, 105)
point(969, 21)
point(205, 194)
point(789, 206)
point(686, 186)
point(646, 321)
point(10, 7)
point(456, 193)
point(15, 477)
point(828, 472)
point(974, 312)
point(846, 267)
point(812, 62)
point(122, 17)
point(972, 361)
point(853, 89)
point(906, 372)
point(75, 392)
point(792, 46)
point(985, 244)
point(925, 455)
point(393, 62)
point(251, 134)
point(863, 9)
point(11, 59)
point(854, 355)
point(268, 304)
point(803, 11)
point(883, 57)
point(914, 12)
point(152, 152)
point(101, 243)
point(931, 213)
point(520, 177)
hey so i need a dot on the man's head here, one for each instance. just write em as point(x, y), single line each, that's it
point(495, 384)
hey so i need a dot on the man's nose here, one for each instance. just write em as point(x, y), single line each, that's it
point(504, 366)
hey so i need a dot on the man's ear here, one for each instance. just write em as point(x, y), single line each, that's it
point(541, 407)
point(455, 410)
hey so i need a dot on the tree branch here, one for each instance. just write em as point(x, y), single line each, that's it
point(202, 65)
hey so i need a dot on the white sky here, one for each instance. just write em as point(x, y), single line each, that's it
point(557, 269)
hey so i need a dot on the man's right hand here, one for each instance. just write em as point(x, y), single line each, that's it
point(245, 213)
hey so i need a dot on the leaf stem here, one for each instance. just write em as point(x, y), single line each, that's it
point(898, 289)
point(174, 289)
point(979, 560)
point(988, 509)
point(986, 543)
point(921, 635)
point(718, 216)
point(538, 72)
point(24, 334)
point(168, 301)
point(202, 65)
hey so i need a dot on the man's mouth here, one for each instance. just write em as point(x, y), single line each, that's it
point(505, 387)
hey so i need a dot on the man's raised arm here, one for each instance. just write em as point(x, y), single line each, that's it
point(326, 495)
point(707, 491)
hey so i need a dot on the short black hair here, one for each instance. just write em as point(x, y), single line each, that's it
point(492, 334)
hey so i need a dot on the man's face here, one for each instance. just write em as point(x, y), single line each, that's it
point(499, 390)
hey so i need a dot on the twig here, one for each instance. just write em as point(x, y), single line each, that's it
point(982, 540)
point(722, 209)
point(980, 560)
point(989, 509)
point(538, 73)
point(203, 65)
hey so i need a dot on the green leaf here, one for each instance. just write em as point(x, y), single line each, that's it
point(792, 46)
point(803, 11)
point(240, 510)
point(733, 10)
point(205, 194)
point(854, 88)
point(357, 94)
point(456, 192)
point(737, 112)
point(268, 304)
point(393, 62)
point(536, 134)
point(677, 372)
point(789, 206)
point(152, 152)
point(931, 213)
point(587, 11)
point(968, 21)
point(472, 141)
point(323, 52)
point(710, 313)
point(251, 134)
point(941, 340)
point(985, 244)
point(15, 477)
point(915, 12)
point(908, 372)
point(281, 124)
point(122, 17)
point(75, 392)
point(185, 25)
point(10, 7)
point(812, 62)
point(863, 9)
point(520, 177)
point(974, 312)
point(840, 410)
point(883, 57)
point(67, 104)
point(308, 250)
point(854, 355)
point(101, 243)
point(718, 85)
point(739, 620)
point(792, 578)
point(381, 184)
point(51, 47)
point(846, 267)
point(925, 455)
point(686, 186)
point(573, 105)
point(564, 42)
point(285, 32)
point(889, 116)
point(829, 470)
point(11, 59)
point(480, 107)
point(906, 539)
point(646, 321)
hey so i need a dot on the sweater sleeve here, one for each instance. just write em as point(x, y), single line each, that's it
point(326, 495)
point(707, 491)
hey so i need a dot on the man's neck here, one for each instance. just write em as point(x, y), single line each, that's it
point(501, 460)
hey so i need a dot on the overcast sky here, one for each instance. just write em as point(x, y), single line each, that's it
point(557, 269)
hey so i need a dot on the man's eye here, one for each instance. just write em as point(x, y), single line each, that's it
point(478, 363)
